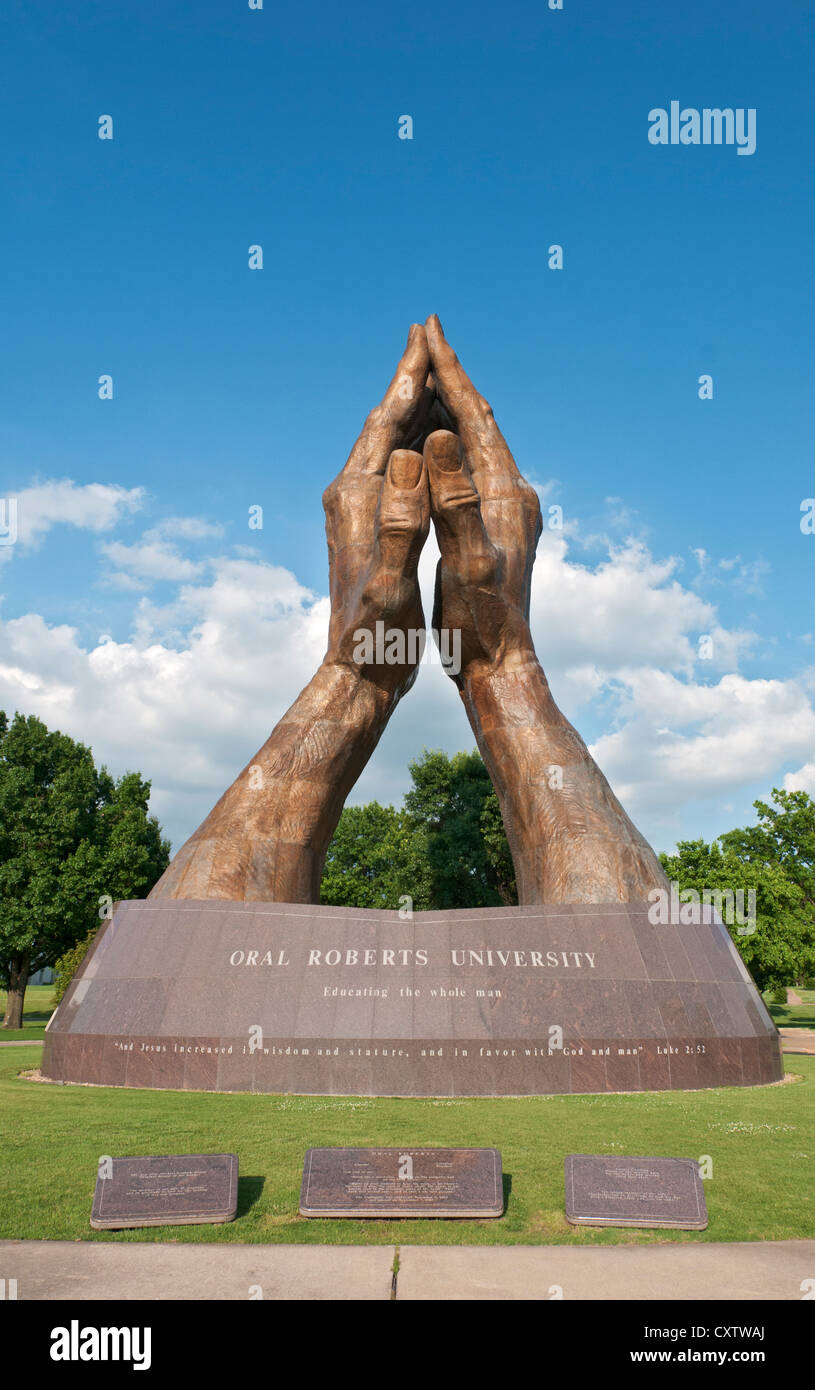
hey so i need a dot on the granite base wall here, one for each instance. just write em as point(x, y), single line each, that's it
point(278, 997)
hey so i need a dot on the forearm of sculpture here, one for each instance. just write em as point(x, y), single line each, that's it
point(267, 837)
point(570, 838)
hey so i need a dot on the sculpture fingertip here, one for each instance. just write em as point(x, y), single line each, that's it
point(405, 468)
point(416, 339)
point(442, 449)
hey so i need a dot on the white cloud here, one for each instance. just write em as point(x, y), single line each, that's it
point(748, 574)
point(156, 556)
point(627, 610)
point(89, 506)
point(148, 560)
point(697, 741)
point(191, 696)
point(801, 781)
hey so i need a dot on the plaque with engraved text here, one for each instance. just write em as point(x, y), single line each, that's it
point(178, 1190)
point(402, 1182)
point(604, 1190)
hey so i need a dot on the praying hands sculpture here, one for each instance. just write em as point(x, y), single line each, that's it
point(570, 838)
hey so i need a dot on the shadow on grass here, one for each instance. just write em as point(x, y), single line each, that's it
point(249, 1191)
point(792, 1015)
point(507, 1191)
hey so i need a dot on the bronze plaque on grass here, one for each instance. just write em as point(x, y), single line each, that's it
point(402, 1182)
point(602, 1190)
point(179, 1190)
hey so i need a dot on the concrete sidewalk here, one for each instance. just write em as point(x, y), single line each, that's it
point(798, 1040)
point(761, 1270)
point(78, 1270)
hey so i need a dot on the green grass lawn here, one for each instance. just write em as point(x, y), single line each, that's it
point(761, 1141)
point(37, 1009)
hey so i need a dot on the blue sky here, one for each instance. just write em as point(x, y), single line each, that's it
point(233, 387)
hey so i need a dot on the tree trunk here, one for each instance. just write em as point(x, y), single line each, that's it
point(18, 979)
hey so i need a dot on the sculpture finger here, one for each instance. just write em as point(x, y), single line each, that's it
point(403, 516)
point(485, 445)
point(455, 506)
point(394, 422)
point(431, 416)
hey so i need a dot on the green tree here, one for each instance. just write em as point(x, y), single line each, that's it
point(452, 800)
point(782, 946)
point(785, 836)
point(445, 848)
point(496, 847)
point(66, 967)
point(377, 856)
point(69, 835)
